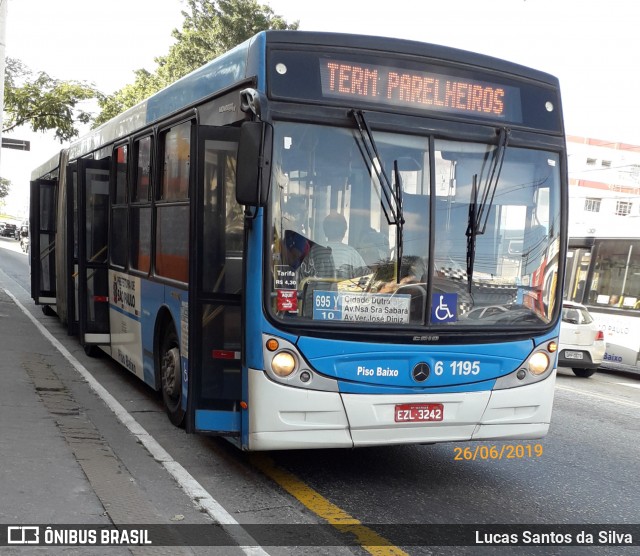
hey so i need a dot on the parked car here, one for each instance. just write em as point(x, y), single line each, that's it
point(581, 344)
point(8, 229)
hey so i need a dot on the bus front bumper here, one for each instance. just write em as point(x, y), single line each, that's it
point(282, 417)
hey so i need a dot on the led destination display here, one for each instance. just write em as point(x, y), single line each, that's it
point(419, 89)
point(471, 88)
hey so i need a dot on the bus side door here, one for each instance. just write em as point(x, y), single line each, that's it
point(42, 222)
point(93, 254)
point(217, 238)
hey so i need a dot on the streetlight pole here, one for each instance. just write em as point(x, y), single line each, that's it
point(3, 41)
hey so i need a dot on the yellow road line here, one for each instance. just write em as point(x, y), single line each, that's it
point(368, 539)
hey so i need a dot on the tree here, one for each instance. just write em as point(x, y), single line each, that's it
point(210, 28)
point(42, 102)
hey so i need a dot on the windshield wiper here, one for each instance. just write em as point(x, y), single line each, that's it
point(391, 198)
point(400, 221)
point(479, 213)
point(472, 231)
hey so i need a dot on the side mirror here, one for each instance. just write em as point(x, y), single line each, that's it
point(253, 172)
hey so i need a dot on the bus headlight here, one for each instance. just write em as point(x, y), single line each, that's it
point(538, 363)
point(283, 363)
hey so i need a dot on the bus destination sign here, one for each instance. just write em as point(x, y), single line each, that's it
point(424, 90)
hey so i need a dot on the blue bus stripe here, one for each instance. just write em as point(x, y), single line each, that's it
point(125, 313)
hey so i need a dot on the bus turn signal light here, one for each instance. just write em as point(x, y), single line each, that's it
point(272, 344)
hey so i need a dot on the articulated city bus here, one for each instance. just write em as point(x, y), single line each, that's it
point(321, 240)
point(603, 273)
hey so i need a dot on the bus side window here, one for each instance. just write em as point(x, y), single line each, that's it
point(176, 160)
point(119, 230)
point(223, 236)
point(141, 205)
point(172, 223)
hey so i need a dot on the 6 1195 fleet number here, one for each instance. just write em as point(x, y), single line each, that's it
point(458, 368)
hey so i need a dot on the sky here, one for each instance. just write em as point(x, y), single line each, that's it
point(592, 46)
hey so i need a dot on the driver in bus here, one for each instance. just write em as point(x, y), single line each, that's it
point(337, 257)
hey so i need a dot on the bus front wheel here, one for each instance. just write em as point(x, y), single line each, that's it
point(171, 376)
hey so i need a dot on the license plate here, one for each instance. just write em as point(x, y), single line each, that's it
point(573, 355)
point(415, 412)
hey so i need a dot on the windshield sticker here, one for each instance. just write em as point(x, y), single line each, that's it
point(287, 300)
point(444, 307)
point(285, 278)
point(362, 307)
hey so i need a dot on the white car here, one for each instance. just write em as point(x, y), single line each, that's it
point(581, 345)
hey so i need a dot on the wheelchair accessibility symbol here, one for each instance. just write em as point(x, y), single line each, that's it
point(444, 307)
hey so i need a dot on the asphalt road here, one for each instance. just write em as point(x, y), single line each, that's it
point(586, 471)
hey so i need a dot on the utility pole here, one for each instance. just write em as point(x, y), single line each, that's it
point(3, 41)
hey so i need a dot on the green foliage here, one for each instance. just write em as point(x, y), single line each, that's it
point(5, 184)
point(42, 102)
point(145, 85)
point(210, 28)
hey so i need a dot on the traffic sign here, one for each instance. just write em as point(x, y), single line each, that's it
point(19, 144)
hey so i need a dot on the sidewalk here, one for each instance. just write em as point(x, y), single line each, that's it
point(40, 479)
point(56, 466)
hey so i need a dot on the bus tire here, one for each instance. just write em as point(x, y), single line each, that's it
point(171, 375)
point(583, 373)
point(47, 311)
point(92, 350)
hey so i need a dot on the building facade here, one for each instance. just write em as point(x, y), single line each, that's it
point(604, 188)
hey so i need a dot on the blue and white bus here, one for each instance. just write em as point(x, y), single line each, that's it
point(603, 273)
point(322, 240)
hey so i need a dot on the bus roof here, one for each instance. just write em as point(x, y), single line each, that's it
point(408, 47)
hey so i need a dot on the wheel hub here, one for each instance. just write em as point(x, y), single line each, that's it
point(171, 372)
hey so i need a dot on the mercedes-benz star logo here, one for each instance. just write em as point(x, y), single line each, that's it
point(420, 372)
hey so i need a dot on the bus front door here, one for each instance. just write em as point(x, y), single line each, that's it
point(93, 255)
point(215, 371)
point(42, 223)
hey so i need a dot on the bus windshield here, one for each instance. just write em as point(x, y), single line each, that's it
point(338, 254)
